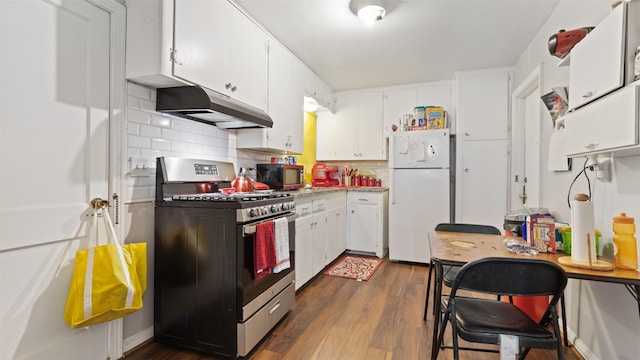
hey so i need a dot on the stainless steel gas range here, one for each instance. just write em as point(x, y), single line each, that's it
point(206, 295)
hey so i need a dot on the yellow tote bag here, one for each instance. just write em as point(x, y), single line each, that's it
point(108, 280)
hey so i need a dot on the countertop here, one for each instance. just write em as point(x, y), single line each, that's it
point(318, 190)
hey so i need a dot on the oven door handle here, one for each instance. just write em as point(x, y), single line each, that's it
point(251, 228)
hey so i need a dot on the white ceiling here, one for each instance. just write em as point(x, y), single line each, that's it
point(417, 41)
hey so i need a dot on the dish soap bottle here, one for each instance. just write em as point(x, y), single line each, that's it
point(624, 229)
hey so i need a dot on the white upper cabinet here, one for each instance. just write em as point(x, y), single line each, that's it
point(397, 103)
point(609, 124)
point(597, 62)
point(602, 94)
point(316, 88)
point(285, 106)
point(209, 43)
point(483, 104)
point(354, 131)
point(402, 101)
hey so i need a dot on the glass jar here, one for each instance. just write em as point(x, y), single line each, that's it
point(624, 228)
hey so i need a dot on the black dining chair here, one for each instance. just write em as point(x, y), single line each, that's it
point(449, 272)
point(488, 321)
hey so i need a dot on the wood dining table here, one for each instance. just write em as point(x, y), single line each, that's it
point(454, 248)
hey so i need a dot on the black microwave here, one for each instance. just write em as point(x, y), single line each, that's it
point(281, 176)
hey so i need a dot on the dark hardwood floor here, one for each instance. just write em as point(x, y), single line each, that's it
point(336, 318)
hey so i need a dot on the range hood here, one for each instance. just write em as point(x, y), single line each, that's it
point(207, 106)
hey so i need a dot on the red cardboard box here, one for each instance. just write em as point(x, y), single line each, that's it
point(541, 233)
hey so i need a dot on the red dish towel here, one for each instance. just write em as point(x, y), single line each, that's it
point(264, 249)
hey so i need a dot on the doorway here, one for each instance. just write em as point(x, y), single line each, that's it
point(525, 144)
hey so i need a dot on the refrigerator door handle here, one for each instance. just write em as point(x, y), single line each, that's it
point(392, 185)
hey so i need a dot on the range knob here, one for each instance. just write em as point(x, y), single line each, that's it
point(265, 210)
point(254, 212)
point(274, 208)
point(285, 207)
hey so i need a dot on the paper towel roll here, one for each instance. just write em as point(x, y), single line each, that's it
point(582, 223)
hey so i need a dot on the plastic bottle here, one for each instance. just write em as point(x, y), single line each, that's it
point(624, 229)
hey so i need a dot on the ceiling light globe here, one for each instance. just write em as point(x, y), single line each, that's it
point(371, 13)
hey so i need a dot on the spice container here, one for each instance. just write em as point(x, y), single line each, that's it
point(624, 228)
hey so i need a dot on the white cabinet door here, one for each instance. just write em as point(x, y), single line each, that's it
point(286, 92)
point(397, 103)
point(483, 104)
point(483, 192)
point(355, 131)
point(597, 61)
point(607, 124)
point(202, 45)
point(336, 233)
point(362, 234)
point(336, 133)
point(303, 250)
point(249, 61)
point(318, 89)
point(369, 128)
point(319, 249)
point(438, 94)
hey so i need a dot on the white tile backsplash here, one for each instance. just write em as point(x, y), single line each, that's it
point(150, 131)
point(138, 116)
point(151, 135)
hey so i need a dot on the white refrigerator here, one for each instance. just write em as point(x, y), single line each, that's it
point(419, 191)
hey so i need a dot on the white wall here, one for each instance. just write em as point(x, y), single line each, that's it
point(150, 135)
point(603, 318)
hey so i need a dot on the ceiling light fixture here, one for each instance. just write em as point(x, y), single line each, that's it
point(369, 11)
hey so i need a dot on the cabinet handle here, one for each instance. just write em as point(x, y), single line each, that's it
point(466, 170)
point(173, 58)
point(588, 94)
point(466, 134)
point(365, 200)
point(227, 86)
point(233, 88)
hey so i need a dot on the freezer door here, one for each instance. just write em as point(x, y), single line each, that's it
point(419, 200)
point(419, 149)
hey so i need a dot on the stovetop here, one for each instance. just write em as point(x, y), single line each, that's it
point(233, 197)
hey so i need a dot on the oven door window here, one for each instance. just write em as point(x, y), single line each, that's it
point(252, 287)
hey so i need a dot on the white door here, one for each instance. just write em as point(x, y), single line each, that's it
point(57, 63)
point(532, 168)
point(525, 144)
point(483, 194)
point(419, 200)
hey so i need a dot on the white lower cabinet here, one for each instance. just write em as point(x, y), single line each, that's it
point(368, 222)
point(336, 233)
point(303, 249)
point(320, 233)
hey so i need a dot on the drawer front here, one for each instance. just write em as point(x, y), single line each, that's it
point(319, 205)
point(364, 198)
point(303, 208)
point(253, 330)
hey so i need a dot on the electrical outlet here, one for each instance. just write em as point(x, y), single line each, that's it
point(602, 169)
point(142, 167)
